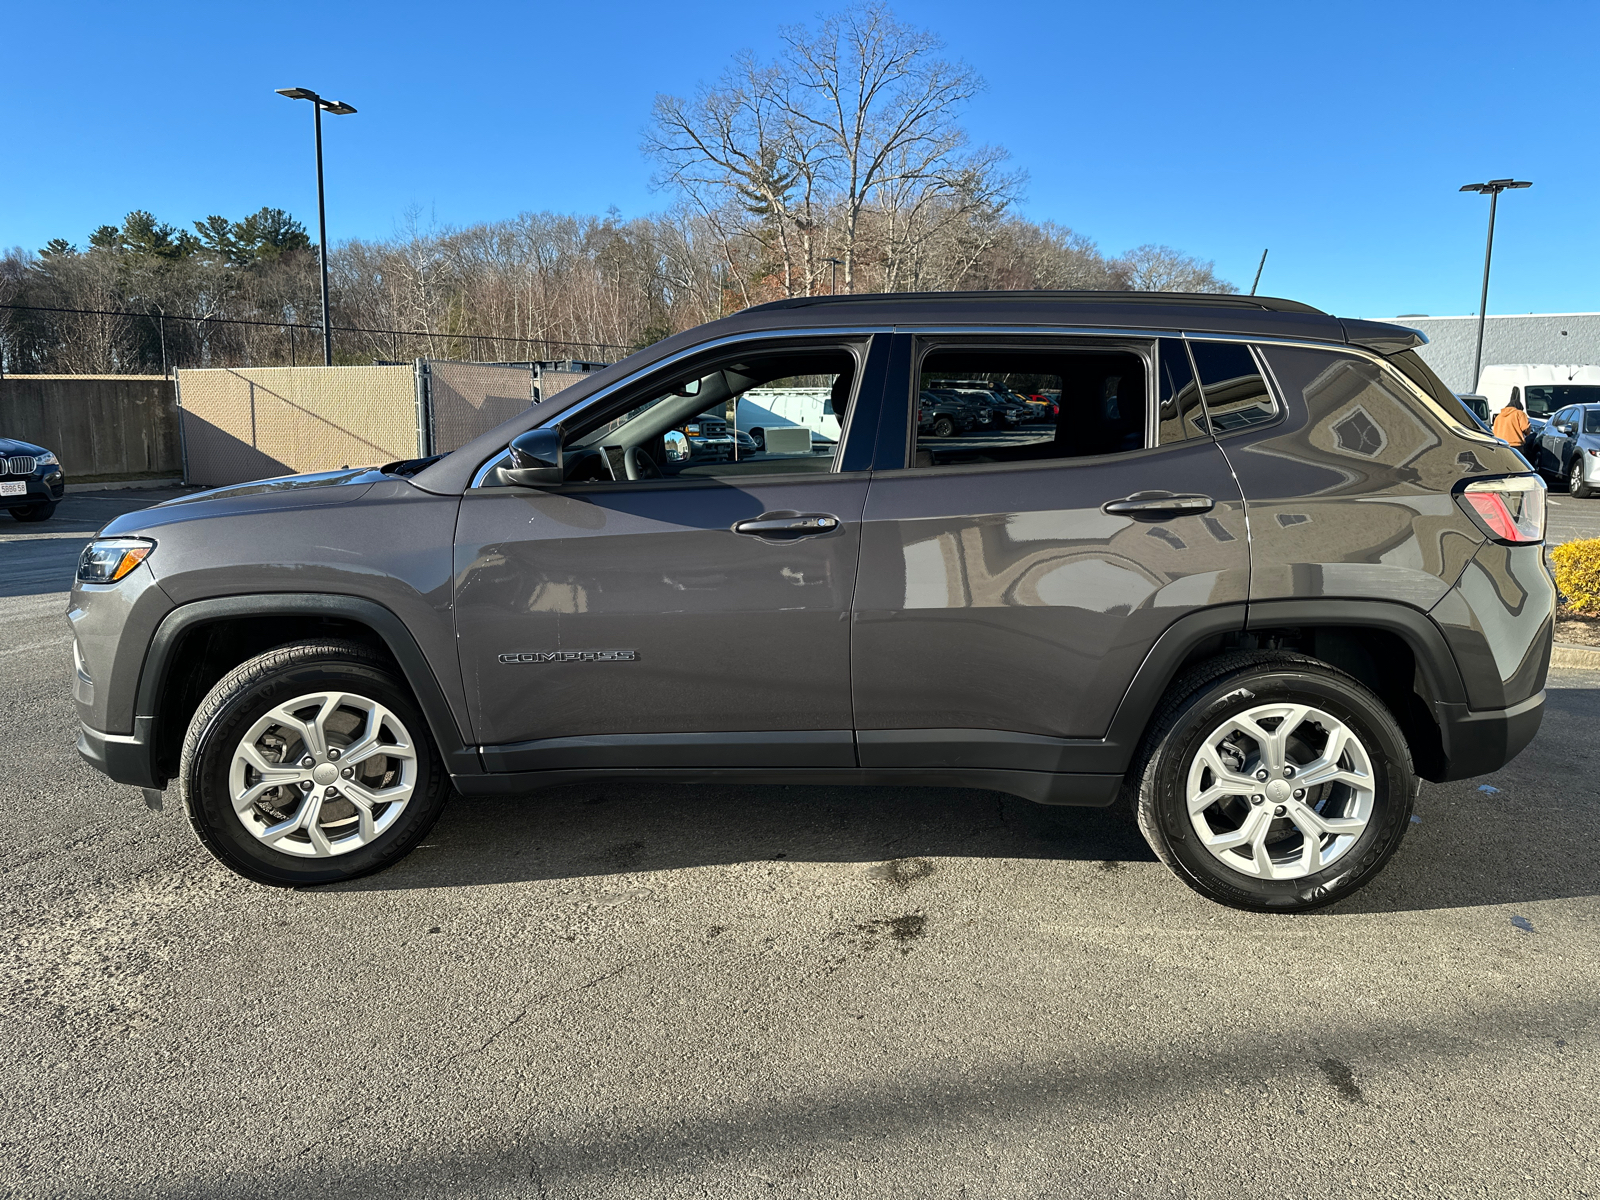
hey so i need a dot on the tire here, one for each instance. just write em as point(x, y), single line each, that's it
point(36, 512)
point(943, 427)
point(1575, 484)
point(1358, 827)
point(337, 843)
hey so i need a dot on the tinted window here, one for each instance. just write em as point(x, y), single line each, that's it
point(1591, 420)
point(1236, 395)
point(1182, 414)
point(1543, 397)
point(1021, 405)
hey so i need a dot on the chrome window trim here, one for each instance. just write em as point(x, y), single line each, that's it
point(689, 352)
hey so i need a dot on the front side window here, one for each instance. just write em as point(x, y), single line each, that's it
point(1013, 405)
point(1591, 420)
point(1237, 396)
point(762, 412)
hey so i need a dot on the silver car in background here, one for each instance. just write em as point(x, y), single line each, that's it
point(1569, 447)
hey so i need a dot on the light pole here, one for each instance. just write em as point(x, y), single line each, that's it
point(339, 109)
point(833, 288)
point(1492, 189)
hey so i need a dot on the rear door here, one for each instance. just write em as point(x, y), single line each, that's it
point(1012, 581)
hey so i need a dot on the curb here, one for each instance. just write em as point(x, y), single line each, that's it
point(1564, 654)
point(117, 485)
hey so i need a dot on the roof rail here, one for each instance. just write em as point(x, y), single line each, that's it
point(1181, 299)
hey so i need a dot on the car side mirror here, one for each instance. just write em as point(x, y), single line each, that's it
point(1563, 427)
point(535, 459)
point(676, 446)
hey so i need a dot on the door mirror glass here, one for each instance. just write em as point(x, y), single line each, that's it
point(535, 458)
point(677, 446)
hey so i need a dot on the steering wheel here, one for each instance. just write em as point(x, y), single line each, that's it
point(639, 464)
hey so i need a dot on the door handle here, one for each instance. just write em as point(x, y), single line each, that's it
point(1158, 506)
point(787, 525)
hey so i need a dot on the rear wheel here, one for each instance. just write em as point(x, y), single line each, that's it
point(1575, 484)
point(36, 512)
point(1274, 782)
point(943, 427)
point(310, 764)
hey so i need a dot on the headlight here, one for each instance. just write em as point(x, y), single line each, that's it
point(109, 559)
point(45, 460)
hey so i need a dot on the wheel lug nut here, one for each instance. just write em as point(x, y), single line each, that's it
point(1288, 772)
point(1279, 811)
point(348, 772)
point(333, 756)
point(330, 793)
point(308, 762)
point(305, 785)
point(1299, 793)
point(1262, 774)
point(1258, 799)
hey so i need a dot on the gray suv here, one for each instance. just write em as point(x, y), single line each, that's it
point(1261, 573)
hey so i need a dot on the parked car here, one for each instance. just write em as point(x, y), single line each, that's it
point(979, 415)
point(31, 480)
point(1568, 448)
point(709, 438)
point(1477, 405)
point(1082, 616)
point(942, 414)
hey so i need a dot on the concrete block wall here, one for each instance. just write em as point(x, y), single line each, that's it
point(98, 425)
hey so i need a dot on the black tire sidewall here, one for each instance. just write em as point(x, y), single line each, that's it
point(943, 427)
point(1341, 698)
point(206, 776)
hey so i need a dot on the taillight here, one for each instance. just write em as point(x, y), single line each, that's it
point(1510, 509)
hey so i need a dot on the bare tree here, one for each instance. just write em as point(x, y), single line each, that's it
point(1151, 268)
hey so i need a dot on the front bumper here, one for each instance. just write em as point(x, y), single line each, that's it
point(126, 757)
point(42, 489)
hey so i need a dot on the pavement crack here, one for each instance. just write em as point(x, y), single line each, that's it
point(529, 1007)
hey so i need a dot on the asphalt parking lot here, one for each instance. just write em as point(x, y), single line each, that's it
point(631, 991)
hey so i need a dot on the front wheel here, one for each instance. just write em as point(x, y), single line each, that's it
point(1274, 782)
point(1575, 484)
point(310, 764)
point(36, 512)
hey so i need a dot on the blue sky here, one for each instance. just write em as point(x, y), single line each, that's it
point(1336, 135)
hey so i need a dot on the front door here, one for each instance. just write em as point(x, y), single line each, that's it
point(669, 605)
point(1012, 580)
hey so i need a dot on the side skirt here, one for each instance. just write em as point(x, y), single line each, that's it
point(1042, 787)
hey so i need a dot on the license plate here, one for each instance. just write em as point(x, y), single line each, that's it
point(13, 489)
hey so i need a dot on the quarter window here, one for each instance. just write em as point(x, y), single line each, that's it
point(1237, 396)
point(1010, 405)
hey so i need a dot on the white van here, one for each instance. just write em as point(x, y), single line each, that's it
point(811, 407)
point(1542, 387)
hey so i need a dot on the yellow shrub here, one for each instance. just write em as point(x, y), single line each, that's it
point(1578, 574)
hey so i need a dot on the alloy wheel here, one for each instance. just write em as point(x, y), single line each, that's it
point(323, 774)
point(1280, 791)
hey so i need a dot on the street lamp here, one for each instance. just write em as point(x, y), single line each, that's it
point(833, 288)
point(1492, 189)
point(339, 109)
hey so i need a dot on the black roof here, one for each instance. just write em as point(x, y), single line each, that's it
point(1079, 296)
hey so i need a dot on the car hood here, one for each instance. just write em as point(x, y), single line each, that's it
point(12, 446)
point(321, 489)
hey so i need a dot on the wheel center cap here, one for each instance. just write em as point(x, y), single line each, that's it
point(325, 774)
point(1277, 791)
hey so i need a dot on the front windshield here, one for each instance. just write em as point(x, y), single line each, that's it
point(1544, 399)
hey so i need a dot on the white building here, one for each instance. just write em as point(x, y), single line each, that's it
point(1567, 338)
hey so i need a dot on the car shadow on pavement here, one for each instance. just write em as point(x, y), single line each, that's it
point(611, 828)
point(1518, 836)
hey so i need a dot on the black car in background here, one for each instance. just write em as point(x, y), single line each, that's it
point(31, 480)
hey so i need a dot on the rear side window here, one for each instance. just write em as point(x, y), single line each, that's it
point(1236, 393)
point(1183, 416)
point(1014, 405)
point(1358, 411)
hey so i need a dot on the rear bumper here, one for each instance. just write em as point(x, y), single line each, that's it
point(1478, 743)
point(125, 757)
